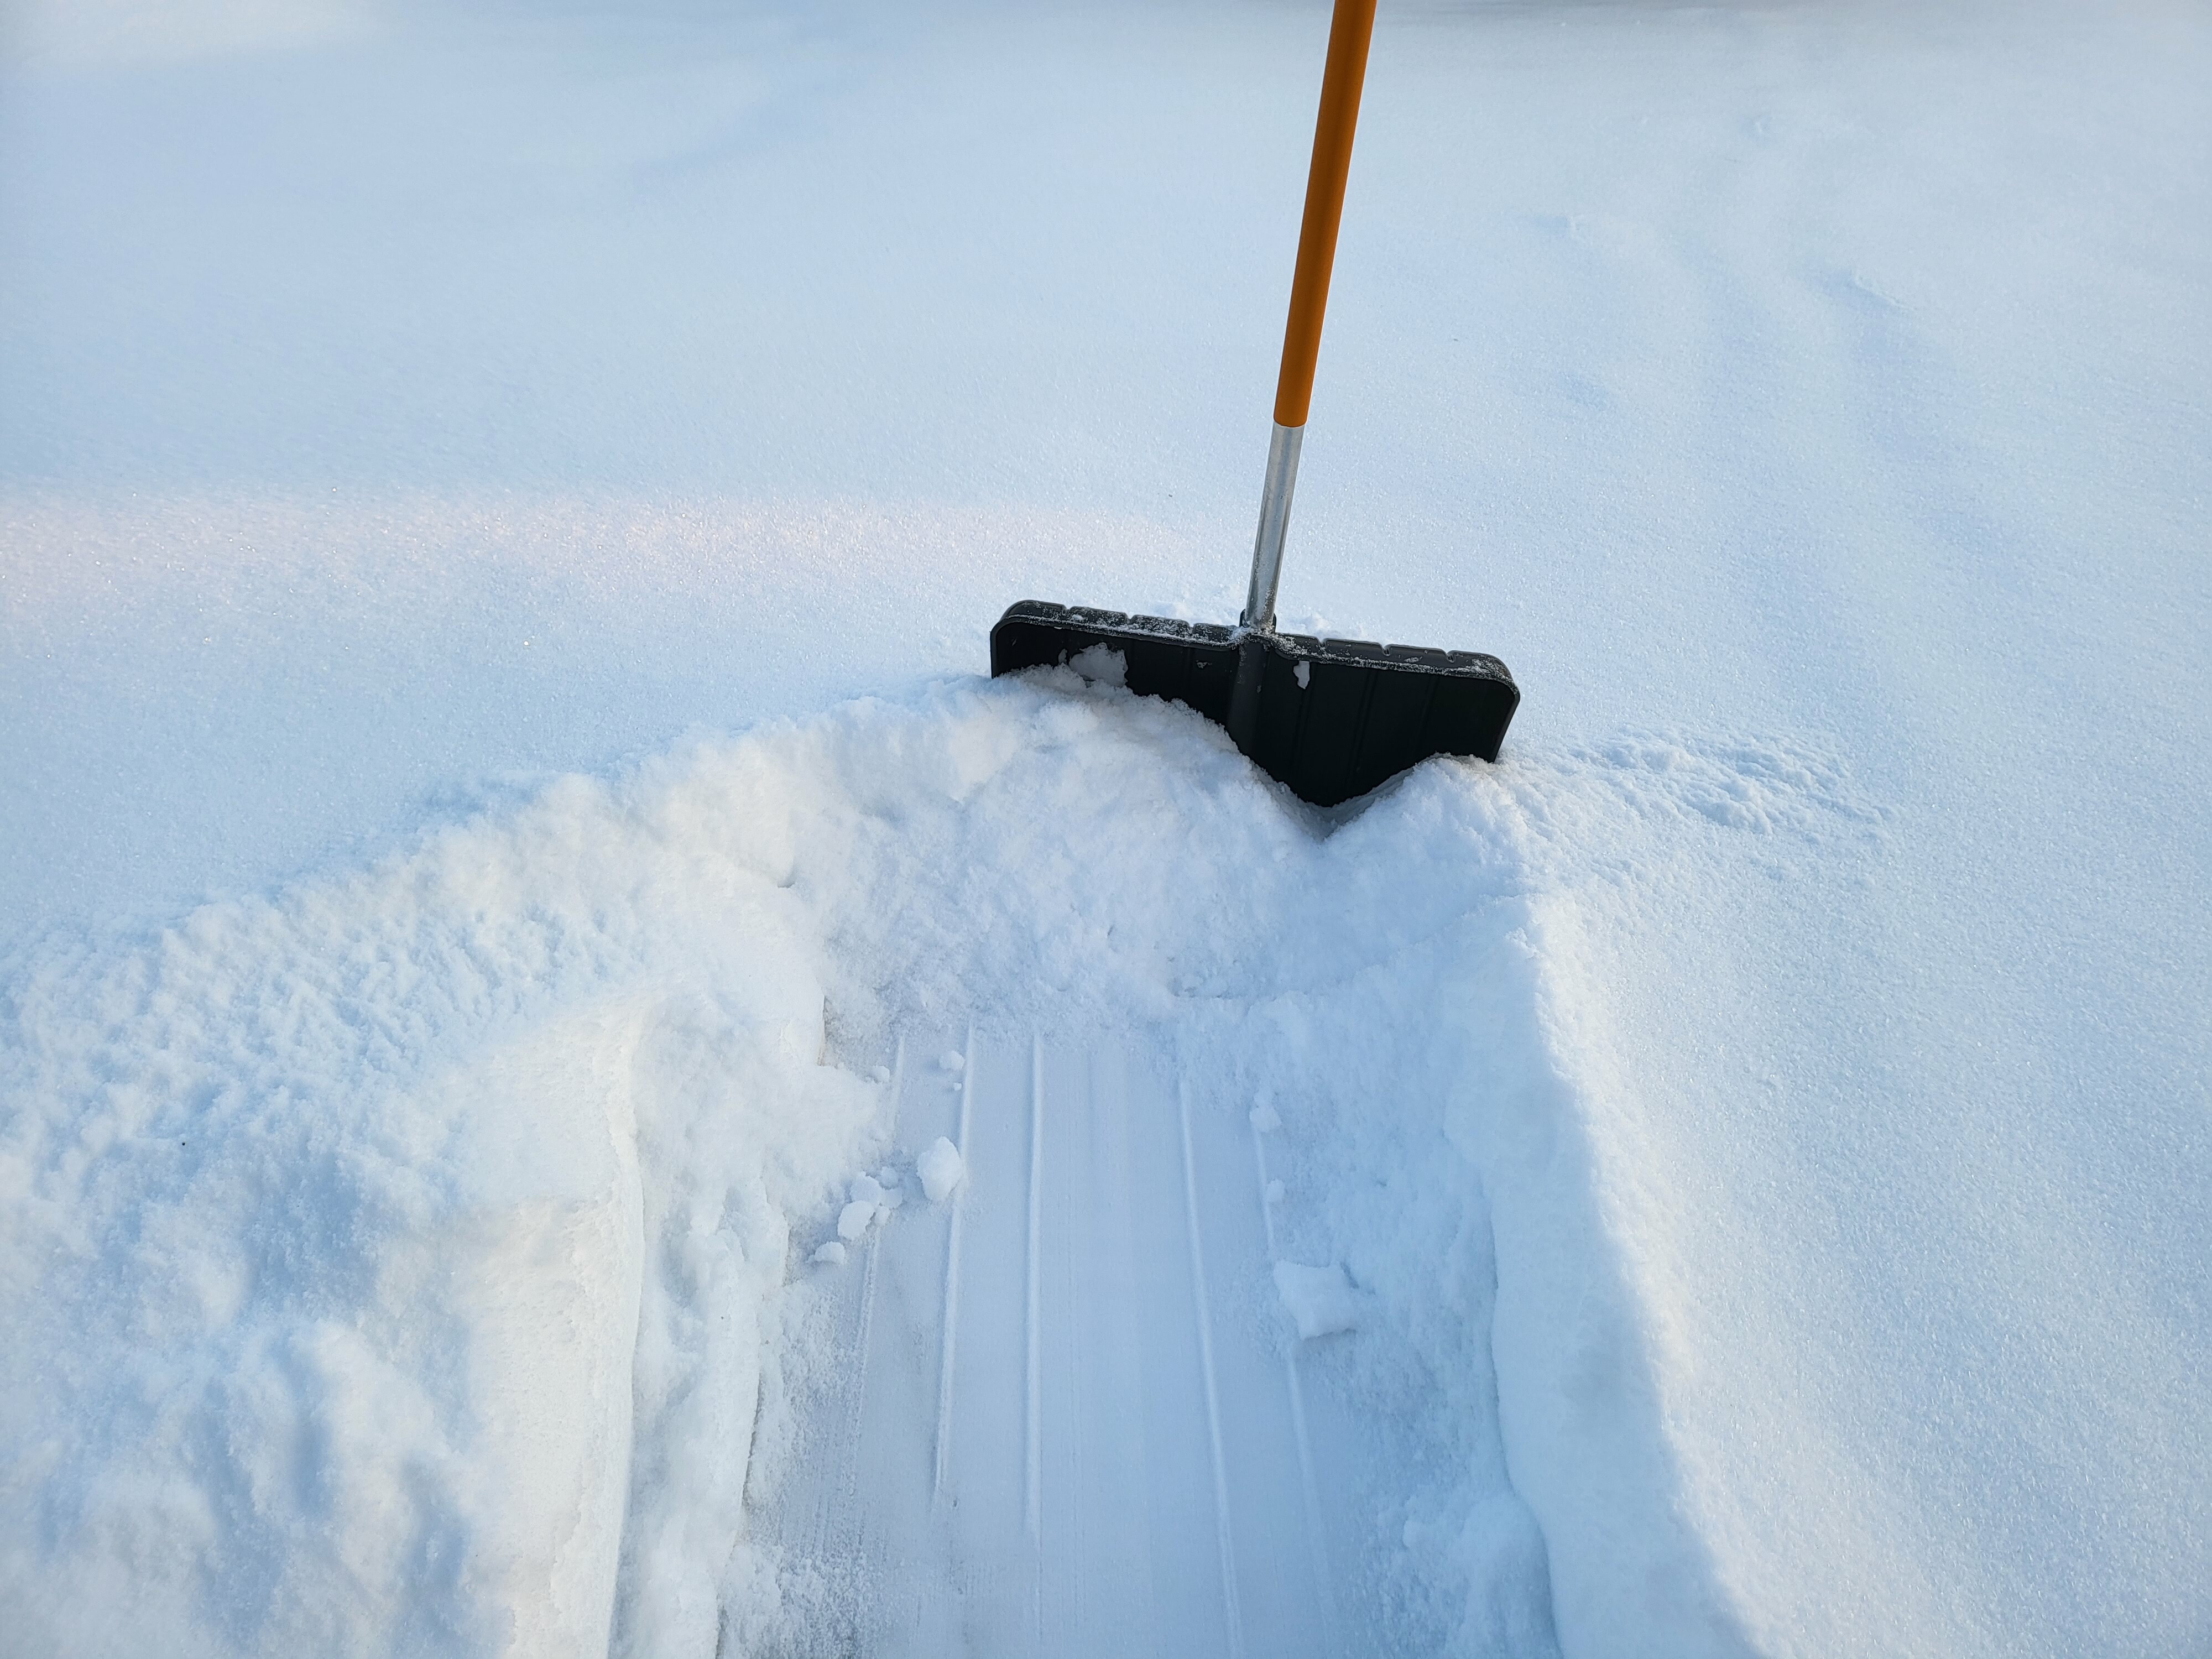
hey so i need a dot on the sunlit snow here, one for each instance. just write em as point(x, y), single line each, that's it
point(574, 1079)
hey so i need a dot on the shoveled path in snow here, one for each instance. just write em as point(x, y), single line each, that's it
point(386, 1251)
point(1064, 1421)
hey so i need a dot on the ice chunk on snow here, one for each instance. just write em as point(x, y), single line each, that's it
point(831, 1254)
point(853, 1220)
point(1265, 1119)
point(940, 1169)
point(866, 1189)
point(1102, 663)
point(1319, 1300)
point(1274, 1192)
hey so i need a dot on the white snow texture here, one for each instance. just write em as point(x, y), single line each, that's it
point(501, 509)
point(415, 1239)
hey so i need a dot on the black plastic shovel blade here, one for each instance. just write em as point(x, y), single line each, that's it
point(1336, 717)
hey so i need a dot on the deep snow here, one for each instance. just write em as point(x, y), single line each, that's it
point(405, 406)
point(393, 1249)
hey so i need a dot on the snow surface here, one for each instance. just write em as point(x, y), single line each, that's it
point(1083, 1348)
point(1771, 1104)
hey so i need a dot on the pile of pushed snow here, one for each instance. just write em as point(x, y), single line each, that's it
point(394, 1263)
point(383, 1262)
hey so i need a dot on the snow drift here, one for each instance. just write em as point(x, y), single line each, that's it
point(392, 1258)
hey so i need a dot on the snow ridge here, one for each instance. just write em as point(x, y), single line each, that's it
point(405, 1258)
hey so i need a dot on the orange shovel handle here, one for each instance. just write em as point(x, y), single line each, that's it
point(1349, 31)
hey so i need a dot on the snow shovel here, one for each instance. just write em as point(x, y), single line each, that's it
point(1328, 718)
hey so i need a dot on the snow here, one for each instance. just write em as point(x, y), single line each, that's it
point(941, 1170)
point(499, 516)
point(1102, 664)
point(1319, 1300)
point(1232, 1488)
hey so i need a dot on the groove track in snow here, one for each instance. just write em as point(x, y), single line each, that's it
point(1120, 1460)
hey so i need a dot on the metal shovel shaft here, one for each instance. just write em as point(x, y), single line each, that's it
point(1274, 519)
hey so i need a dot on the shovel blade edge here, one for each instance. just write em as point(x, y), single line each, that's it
point(1358, 714)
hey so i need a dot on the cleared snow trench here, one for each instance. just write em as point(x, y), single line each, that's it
point(1063, 1416)
point(906, 1338)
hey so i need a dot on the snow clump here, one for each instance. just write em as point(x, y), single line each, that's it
point(1102, 665)
point(1319, 1300)
point(940, 1169)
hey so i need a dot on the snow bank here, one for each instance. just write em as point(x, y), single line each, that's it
point(385, 1261)
point(390, 1260)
